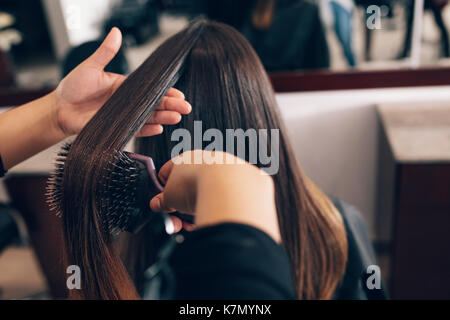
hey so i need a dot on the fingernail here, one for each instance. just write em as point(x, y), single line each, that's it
point(189, 106)
point(158, 203)
point(156, 206)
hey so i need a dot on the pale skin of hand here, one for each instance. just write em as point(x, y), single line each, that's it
point(39, 124)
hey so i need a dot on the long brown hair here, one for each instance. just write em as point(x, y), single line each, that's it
point(225, 82)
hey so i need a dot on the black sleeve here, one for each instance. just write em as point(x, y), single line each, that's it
point(360, 256)
point(2, 168)
point(231, 261)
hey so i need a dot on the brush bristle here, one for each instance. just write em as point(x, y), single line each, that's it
point(116, 191)
point(54, 183)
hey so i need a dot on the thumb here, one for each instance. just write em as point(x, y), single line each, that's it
point(158, 204)
point(107, 50)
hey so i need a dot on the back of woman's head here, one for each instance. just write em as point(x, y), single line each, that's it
point(228, 88)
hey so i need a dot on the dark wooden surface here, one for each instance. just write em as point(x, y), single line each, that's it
point(413, 208)
point(298, 82)
point(421, 251)
point(328, 80)
point(12, 96)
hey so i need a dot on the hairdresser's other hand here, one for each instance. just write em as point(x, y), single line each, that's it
point(86, 88)
point(222, 188)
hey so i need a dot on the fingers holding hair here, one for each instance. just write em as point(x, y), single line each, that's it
point(149, 130)
point(168, 112)
point(175, 93)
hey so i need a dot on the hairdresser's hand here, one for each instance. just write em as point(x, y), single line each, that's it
point(234, 191)
point(84, 90)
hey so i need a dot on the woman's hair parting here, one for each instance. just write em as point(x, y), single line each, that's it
point(224, 80)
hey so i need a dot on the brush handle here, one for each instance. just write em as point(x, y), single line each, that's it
point(189, 218)
point(149, 164)
point(151, 170)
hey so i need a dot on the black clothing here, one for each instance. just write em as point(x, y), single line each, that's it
point(360, 256)
point(225, 261)
point(296, 39)
point(436, 8)
point(232, 12)
point(2, 168)
point(233, 261)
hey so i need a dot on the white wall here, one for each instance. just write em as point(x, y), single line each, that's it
point(74, 22)
point(336, 147)
point(335, 137)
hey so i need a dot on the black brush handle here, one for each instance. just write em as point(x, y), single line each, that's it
point(184, 217)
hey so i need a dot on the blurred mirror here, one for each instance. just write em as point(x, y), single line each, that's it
point(433, 24)
point(320, 34)
point(41, 40)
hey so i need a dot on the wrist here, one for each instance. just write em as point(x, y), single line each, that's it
point(54, 107)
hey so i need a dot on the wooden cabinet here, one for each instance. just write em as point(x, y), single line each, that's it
point(413, 201)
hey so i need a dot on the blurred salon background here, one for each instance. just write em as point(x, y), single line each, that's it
point(363, 85)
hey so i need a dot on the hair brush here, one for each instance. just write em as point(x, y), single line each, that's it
point(124, 193)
